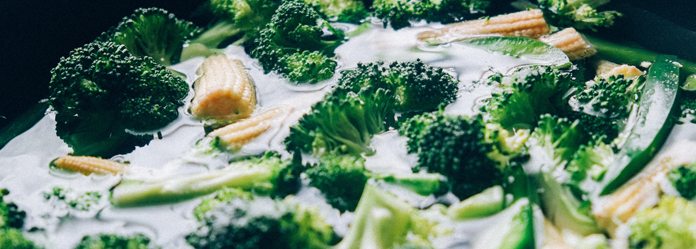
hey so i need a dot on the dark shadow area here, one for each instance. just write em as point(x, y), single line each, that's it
point(36, 34)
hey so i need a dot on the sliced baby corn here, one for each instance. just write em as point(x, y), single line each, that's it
point(224, 91)
point(235, 135)
point(608, 68)
point(571, 43)
point(529, 23)
point(88, 165)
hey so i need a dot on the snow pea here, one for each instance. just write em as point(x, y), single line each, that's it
point(653, 124)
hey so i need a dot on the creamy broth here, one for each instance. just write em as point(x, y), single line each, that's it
point(25, 172)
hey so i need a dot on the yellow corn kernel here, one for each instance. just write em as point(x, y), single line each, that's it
point(529, 23)
point(235, 135)
point(88, 165)
point(224, 91)
point(571, 43)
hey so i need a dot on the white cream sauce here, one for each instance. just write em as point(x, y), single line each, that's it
point(24, 161)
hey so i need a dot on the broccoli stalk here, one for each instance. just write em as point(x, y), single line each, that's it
point(263, 175)
point(100, 93)
point(383, 221)
point(341, 179)
point(247, 221)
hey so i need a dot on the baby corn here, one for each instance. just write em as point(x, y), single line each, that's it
point(641, 193)
point(225, 91)
point(235, 135)
point(607, 68)
point(571, 43)
point(528, 23)
point(88, 165)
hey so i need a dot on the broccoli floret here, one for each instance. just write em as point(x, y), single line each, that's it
point(10, 215)
point(580, 14)
point(222, 197)
point(416, 86)
point(14, 238)
point(669, 225)
point(400, 13)
point(591, 160)
point(684, 180)
point(153, 32)
point(261, 222)
point(295, 27)
point(528, 92)
point(264, 175)
point(342, 123)
point(610, 97)
point(11, 223)
point(560, 138)
point(78, 201)
point(383, 221)
point(341, 179)
point(101, 92)
point(112, 241)
point(473, 155)
point(351, 11)
point(307, 66)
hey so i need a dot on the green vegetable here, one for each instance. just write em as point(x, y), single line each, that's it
point(652, 126)
point(684, 180)
point(631, 55)
point(14, 238)
point(472, 155)
point(669, 225)
point(364, 102)
point(153, 32)
point(522, 47)
point(399, 13)
point(11, 223)
point(523, 96)
point(112, 241)
point(515, 229)
point(261, 222)
point(100, 92)
point(383, 221)
point(267, 175)
point(563, 208)
point(351, 11)
point(294, 28)
point(486, 203)
point(580, 14)
point(341, 179)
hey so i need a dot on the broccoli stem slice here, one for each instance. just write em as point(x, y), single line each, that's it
point(187, 187)
point(381, 220)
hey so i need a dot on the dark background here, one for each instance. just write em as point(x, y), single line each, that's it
point(34, 34)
